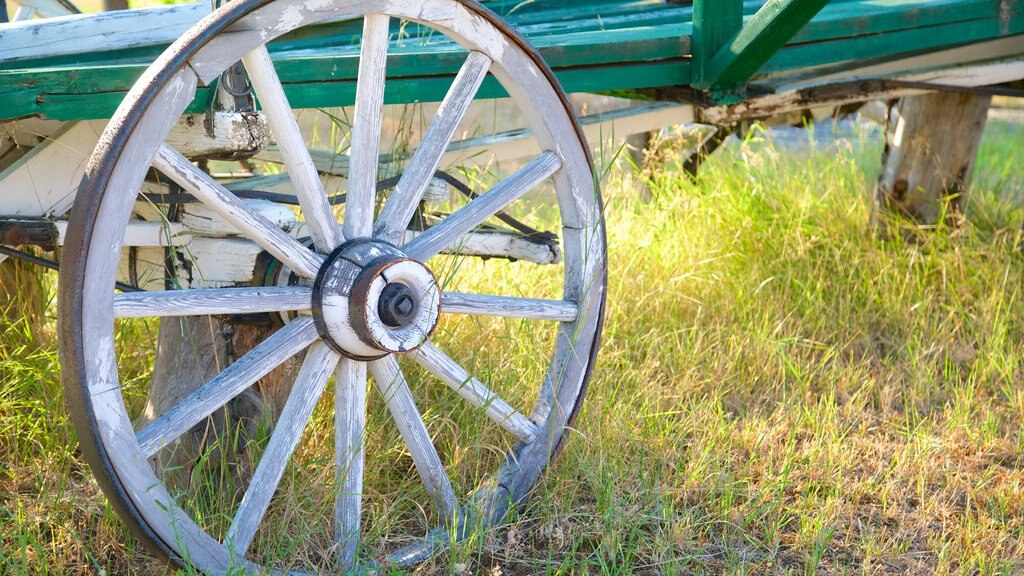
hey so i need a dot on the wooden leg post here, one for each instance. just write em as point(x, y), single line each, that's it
point(929, 157)
point(190, 351)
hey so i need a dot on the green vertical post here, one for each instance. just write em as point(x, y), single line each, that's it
point(715, 22)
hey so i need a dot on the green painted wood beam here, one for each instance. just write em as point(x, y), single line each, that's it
point(714, 23)
point(756, 42)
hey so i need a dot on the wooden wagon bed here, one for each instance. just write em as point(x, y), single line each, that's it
point(644, 48)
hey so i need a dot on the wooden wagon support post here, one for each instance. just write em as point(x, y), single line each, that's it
point(928, 158)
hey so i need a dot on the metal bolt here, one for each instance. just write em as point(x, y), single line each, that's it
point(396, 307)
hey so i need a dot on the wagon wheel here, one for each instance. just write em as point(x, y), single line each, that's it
point(373, 302)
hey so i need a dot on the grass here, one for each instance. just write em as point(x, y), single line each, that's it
point(779, 392)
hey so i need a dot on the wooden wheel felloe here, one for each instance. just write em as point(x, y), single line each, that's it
point(368, 300)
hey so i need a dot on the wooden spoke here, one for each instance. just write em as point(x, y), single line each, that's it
point(349, 425)
point(309, 385)
point(509, 307)
point(323, 226)
point(392, 385)
point(362, 182)
point(402, 204)
point(444, 233)
point(448, 371)
point(257, 228)
point(258, 362)
point(211, 301)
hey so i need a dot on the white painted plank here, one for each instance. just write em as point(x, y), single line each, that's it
point(85, 33)
point(44, 181)
point(509, 307)
point(258, 362)
point(513, 144)
point(203, 220)
point(362, 189)
point(398, 211)
point(253, 225)
point(316, 211)
point(141, 234)
point(212, 301)
point(349, 430)
point(495, 244)
point(474, 391)
point(309, 386)
point(445, 233)
point(233, 134)
point(392, 385)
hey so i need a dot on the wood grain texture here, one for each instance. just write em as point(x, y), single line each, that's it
point(86, 33)
point(398, 211)
point(392, 386)
point(316, 211)
point(211, 301)
point(279, 347)
point(231, 208)
point(43, 182)
point(496, 244)
point(349, 439)
point(366, 130)
point(474, 391)
point(309, 386)
point(509, 307)
point(928, 162)
point(443, 234)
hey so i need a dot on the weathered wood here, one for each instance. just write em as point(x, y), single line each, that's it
point(198, 218)
point(43, 182)
point(392, 386)
point(88, 33)
point(861, 90)
point(190, 351)
point(401, 206)
point(257, 228)
point(318, 214)
point(211, 301)
point(443, 234)
point(494, 244)
point(220, 136)
point(578, 202)
point(309, 386)
point(929, 158)
point(349, 441)
point(230, 382)
point(474, 391)
point(366, 130)
point(509, 307)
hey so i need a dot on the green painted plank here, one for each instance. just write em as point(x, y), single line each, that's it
point(714, 23)
point(896, 44)
point(760, 38)
point(857, 18)
point(325, 94)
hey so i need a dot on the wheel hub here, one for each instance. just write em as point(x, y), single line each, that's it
point(370, 299)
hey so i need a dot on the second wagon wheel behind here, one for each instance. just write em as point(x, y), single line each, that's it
point(379, 310)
